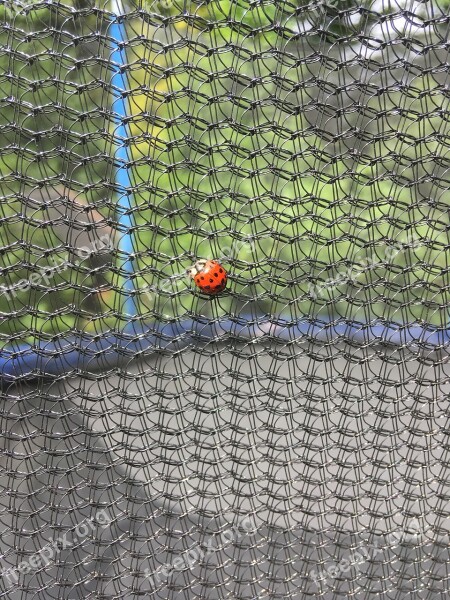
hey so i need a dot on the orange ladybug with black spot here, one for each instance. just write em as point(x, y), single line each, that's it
point(209, 276)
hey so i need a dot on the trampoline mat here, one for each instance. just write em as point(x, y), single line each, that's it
point(238, 470)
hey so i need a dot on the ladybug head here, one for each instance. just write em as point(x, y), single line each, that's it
point(196, 268)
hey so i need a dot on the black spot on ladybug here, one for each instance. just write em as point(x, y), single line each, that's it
point(207, 287)
point(202, 277)
point(216, 275)
point(211, 281)
point(220, 270)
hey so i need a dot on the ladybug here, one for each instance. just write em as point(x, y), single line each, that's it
point(209, 276)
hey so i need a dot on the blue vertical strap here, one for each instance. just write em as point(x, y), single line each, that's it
point(123, 183)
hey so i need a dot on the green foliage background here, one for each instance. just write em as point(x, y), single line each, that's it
point(287, 133)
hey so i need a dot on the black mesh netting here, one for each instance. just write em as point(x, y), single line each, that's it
point(287, 438)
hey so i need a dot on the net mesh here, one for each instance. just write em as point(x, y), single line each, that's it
point(287, 437)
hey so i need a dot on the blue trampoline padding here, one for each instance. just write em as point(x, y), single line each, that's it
point(93, 353)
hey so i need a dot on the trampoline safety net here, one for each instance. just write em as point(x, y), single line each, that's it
point(285, 437)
